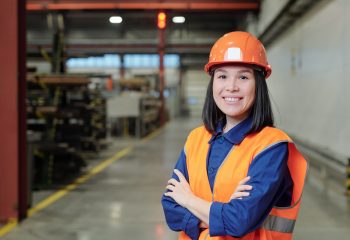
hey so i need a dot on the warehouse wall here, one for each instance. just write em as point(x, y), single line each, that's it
point(310, 77)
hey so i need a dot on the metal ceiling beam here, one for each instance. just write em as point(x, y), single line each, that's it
point(136, 47)
point(59, 5)
point(72, 50)
point(292, 11)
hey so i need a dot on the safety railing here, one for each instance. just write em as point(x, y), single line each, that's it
point(330, 164)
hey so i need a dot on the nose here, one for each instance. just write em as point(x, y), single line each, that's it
point(232, 85)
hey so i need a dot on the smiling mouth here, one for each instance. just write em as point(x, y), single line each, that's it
point(232, 99)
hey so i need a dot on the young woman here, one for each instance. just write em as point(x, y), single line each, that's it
point(206, 198)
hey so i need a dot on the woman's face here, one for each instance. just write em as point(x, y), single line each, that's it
point(234, 91)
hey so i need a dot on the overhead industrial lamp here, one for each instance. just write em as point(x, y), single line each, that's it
point(115, 19)
point(178, 19)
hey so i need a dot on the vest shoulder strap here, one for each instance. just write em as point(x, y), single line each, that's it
point(271, 134)
point(267, 137)
point(195, 137)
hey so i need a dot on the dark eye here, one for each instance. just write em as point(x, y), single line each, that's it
point(221, 76)
point(244, 77)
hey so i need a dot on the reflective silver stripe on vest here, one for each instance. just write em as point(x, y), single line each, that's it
point(279, 224)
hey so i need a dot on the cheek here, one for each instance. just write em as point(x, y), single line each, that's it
point(215, 85)
point(215, 96)
point(251, 93)
point(216, 90)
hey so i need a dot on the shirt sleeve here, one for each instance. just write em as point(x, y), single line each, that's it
point(241, 216)
point(177, 217)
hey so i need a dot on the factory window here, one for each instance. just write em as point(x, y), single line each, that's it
point(130, 61)
point(106, 61)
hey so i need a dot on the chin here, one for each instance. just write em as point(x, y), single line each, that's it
point(236, 115)
point(233, 113)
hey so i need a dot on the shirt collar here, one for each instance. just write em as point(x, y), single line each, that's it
point(236, 134)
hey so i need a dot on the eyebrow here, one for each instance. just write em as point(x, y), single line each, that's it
point(221, 70)
point(246, 71)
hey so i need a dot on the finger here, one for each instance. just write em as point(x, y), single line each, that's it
point(170, 187)
point(173, 181)
point(180, 175)
point(242, 188)
point(244, 180)
point(243, 194)
point(240, 195)
point(168, 194)
point(236, 198)
point(247, 187)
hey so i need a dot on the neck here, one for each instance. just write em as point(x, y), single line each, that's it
point(232, 122)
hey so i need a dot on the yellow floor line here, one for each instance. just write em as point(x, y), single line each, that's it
point(153, 134)
point(92, 172)
point(347, 182)
point(61, 193)
point(12, 223)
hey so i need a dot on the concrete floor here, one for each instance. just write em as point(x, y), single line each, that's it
point(123, 201)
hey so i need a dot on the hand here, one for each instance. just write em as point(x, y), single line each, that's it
point(179, 191)
point(241, 188)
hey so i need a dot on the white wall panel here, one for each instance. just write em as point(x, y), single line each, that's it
point(196, 82)
point(310, 79)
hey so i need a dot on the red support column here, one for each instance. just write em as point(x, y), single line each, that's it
point(23, 182)
point(161, 74)
point(9, 141)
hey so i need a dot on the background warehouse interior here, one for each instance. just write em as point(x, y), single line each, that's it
point(90, 82)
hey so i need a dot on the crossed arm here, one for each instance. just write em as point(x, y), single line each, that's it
point(181, 192)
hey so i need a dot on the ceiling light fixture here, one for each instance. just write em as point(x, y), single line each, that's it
point(178, 19)
point(115, 19)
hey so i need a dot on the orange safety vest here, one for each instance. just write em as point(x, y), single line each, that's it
point(280, 222)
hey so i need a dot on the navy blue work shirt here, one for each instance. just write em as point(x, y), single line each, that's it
point(270, 178)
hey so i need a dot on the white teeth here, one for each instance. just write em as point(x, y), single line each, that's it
point(229, 99)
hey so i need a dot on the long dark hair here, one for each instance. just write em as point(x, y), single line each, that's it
point(261, 110)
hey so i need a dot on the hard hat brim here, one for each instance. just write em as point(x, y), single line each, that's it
point(209, 67)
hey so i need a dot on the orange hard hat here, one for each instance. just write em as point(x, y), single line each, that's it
point(238, 47)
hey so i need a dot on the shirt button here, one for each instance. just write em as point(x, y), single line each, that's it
point(211, 170)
